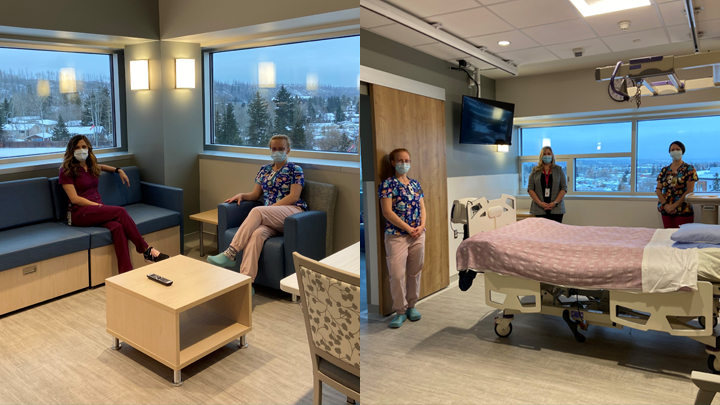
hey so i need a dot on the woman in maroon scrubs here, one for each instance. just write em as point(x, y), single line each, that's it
point(79, 177)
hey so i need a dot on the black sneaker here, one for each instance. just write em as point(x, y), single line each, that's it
point(149, 258)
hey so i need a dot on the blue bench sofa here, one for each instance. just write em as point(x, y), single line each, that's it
point(40, 259)
point(157, 211)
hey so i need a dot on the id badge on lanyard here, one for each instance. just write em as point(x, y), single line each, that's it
point(547, 192)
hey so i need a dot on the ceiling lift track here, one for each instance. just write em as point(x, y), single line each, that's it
point(690, 12)
point(401, 17)
point(648, 70)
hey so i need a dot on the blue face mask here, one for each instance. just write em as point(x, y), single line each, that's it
point(547, 159)
point(278, 156)
point(402, 168)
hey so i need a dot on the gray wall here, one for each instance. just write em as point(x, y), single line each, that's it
point(165, 124)
point(383, 54)
point(129, 18)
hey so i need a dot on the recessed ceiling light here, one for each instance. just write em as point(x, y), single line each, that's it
point(503, 43)
point(594, 7)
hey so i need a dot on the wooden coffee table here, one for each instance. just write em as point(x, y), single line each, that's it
point(204, 309)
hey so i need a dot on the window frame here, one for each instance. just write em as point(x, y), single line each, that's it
point(208, 105)
point(672, 112)
point(117, 97)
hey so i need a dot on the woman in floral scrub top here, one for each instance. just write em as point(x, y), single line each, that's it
point(674, 183)
point(279, 184)
point(401, 200)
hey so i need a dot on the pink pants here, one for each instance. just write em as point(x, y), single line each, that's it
point(260, 225)
point(405, 257)
point(674, 221)
point(121, 226)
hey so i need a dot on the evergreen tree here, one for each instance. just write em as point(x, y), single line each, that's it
point(60, 132)
point(716, 183)
point(259, 128)
point(230, 126)
point(3, 115)
point(284, 111)
point(311, 113)
point(340, 114)
point(297, 137)
point(219, 128)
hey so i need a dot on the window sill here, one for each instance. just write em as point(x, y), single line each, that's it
point(305, 163)
point(54, 163)
point(621, 197)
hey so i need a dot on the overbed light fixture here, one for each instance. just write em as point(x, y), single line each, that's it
point(503, 148)
point(139, 76)
point(184, 73)
point(595, 7)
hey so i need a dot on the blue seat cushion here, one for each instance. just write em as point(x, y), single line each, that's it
point(25, 202)
point(38, 242)
point(148, 219)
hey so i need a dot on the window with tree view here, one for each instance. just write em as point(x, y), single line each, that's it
point(307, 91)
point(46, 97)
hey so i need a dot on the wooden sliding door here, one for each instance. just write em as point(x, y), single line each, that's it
point(417, 123)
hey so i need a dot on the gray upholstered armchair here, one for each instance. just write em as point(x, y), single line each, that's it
point(309, 233)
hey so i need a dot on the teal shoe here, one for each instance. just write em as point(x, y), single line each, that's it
point(397, 321)
point(221, 260)
point(413, 314)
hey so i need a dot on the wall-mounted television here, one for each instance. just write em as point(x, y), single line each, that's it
point(486, 122)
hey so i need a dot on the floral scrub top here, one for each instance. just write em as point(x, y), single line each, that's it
point(405, 202)
point(674, 186)
point(276, 185)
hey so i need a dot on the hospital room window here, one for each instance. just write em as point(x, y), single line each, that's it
point(592, 139)
point(308, 91)
point(47, 97)
point(528, 166)
point(603, 174)
point(702, 143)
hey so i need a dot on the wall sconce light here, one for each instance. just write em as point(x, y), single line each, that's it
point(68, 84)
point(503, 148)
point(139, 76)
point(184, 73)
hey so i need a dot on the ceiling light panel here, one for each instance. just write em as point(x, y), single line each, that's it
point(595, 7)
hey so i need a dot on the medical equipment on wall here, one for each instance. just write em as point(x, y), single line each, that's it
point(709, 203)
point(658, 75)
point(690, 314)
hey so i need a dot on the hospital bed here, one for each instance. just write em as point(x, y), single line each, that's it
point(681, 313)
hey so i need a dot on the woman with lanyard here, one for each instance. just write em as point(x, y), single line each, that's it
point(279, 184)
point(79, 176)
point(547, 186)
point(401, 201)
point(674, 183)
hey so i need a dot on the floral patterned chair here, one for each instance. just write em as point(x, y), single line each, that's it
point(331, 305)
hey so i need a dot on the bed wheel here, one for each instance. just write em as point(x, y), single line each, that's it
point(503, 332)
point(702, 322)
point(713, 364)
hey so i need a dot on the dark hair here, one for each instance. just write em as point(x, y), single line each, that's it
point(678, 143)
point(71, 166)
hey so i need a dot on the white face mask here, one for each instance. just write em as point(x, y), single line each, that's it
point(81, 154)
point(278, 156)
point(402, 168)
point(676, 155)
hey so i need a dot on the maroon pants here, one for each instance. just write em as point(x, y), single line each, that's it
point(674, 221)
point(122, 227)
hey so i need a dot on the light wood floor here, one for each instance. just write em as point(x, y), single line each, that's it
point(59, 352)
point(452, 355)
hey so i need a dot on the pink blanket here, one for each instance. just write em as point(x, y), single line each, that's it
point(553, 253)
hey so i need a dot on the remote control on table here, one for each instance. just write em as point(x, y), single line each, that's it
point(161, 280)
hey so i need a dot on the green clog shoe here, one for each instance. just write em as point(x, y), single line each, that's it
point(413, 314)
point(221, 260)
point(397, 321)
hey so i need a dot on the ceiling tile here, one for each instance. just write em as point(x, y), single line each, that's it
point(626, 41)
point(560, 32)
point(517, 39)
point(710, 11)
point(426, 8)
point(679, 33)
point(533, 55)
point(673, 13)
point(529, 13)
point(489, 2)
point(590, 47)
point(369, 19)
point(472, 23)
point(709, 44)
point(403, 34)
point(710, 29)
point(442, 51)
point(641, 19)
